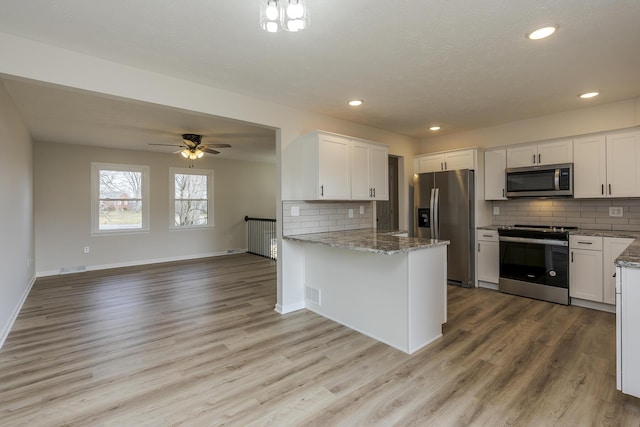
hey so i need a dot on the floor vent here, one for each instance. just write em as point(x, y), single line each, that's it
point(312, 295)
point(69, 270)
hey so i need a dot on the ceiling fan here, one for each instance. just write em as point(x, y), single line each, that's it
point(192, 147)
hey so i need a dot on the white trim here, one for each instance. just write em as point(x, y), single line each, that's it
point(16, 311)
point(289, 308)
point(145, 197)
point(593, 305)
point(172, 198)
point(144, 262)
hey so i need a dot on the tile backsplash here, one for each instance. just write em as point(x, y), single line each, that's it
point(317, 217)
point(591, 214)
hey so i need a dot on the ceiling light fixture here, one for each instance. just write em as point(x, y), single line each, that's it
point(542, 33)
point(434, 128)
point(589, 95)
point(356, 102)
point(290, 15)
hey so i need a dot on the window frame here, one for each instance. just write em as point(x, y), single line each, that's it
point(145, 198)
point(172, 198)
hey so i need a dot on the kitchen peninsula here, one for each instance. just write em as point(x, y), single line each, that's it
point(389, 287)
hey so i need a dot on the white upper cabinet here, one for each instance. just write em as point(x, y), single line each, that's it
point(607, 165)
point(451, 160)
point(544, 153)
point(495, 162)
point(333, 168)
point(589, 167)
point(623, 163)
point(369, 171)
point(326, 166)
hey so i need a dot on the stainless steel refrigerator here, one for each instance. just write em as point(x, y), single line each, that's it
point(444, 209)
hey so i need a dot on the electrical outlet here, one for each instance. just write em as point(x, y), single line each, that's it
point(350, 213)
point(615, 211)
point(496, 210)
point(295, 211)
point(85, 249)
point(361, 210)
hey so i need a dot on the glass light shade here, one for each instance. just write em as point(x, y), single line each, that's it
point(271, 13)
point(200, 154)
point(193, 156)
point(296, 17)
point(185, 153)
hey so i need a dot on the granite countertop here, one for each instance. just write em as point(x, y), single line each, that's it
point(369, 240)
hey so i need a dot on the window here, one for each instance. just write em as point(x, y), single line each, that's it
point(119, 198)
point(192, 198)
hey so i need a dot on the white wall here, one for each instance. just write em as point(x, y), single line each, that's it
point(16, 213)
point(22, 58)
point(63, 208)
point(617, 115)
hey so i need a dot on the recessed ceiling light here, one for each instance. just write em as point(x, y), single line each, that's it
point(542, 33)
point(355, 102)
point(589, 95)
point(434, 128)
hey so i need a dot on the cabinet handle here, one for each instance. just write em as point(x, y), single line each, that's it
point(503, 192)
point(538, 158)
point(487, 235)
point(374, 191)
point(478, 247)
point(322, 190)
point(370, 193)
point(614, 275)
point(441, 166)
point(585, 243)
point(534, 159)
point(609, 189)
point(602, 189)
point(445, 165)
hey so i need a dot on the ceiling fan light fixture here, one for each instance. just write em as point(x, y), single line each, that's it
point(290, 15)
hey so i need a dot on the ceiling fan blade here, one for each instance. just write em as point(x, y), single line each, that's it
point(210, 151)
point(218, 145)
point(169, 145)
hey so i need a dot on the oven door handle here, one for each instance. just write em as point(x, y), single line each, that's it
point(549, 242)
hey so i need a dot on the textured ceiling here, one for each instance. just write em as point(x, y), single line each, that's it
point(460, 64)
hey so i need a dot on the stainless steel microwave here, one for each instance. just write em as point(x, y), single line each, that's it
point(540, 181)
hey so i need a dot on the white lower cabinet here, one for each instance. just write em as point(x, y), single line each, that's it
point(488, 256)
point(591, 267)
point(627, 337)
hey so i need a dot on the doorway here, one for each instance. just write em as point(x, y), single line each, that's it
point(387, 211)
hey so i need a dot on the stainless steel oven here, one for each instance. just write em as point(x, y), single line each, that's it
point(534, 262)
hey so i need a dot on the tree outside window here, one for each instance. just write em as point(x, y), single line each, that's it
point(119, 197)
point(191, 198)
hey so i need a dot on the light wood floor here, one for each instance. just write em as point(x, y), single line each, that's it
point(198, 343)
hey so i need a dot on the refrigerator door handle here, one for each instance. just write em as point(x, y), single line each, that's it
point(436, 214)
point(432, 211)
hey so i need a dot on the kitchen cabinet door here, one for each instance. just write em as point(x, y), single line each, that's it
point(521, 156)
point(457, 160)
point(495, 162)
point(379, 172)
point(488, 256)
point(431, 163)
point(590, 167)
point(585, 274)
point(555, 152)
point(333, 168)
point(623, 165)
point(360, 187)
point(612, 248)
point(628, 339)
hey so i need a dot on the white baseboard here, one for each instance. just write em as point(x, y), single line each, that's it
point(593, 305)
point(487, 285)
point(141, 262)
point(284, 309)
point(14, 315)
